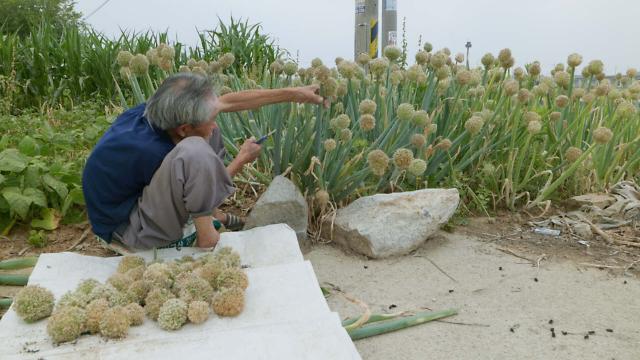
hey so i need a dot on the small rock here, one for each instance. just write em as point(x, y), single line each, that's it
point(281, 203)
point(583, 230)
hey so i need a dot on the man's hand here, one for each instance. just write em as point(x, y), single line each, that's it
point(249, 151)
point(310, 94)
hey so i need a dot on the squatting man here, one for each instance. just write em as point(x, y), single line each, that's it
point(157, 174)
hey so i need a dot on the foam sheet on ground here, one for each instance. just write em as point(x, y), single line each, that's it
point(285, 315)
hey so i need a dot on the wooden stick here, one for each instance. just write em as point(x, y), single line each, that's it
point(82, 238)
point(511, 252)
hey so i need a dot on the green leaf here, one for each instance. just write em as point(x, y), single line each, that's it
point(13, 161)
point(77, 196)
point(36, 196)
point(2, 178)
point(32, 177)
point(18, 203)
point(49, 221)
point(58, 186)
point(29, 146)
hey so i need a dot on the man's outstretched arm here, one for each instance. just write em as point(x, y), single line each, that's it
point(253, 99)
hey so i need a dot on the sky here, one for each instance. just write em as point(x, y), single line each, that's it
point(543, 30)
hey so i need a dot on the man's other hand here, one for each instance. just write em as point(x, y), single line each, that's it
point(249, 151)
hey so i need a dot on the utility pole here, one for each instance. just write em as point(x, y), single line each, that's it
point(366, 28)
point(389, 23)
point(468, 46)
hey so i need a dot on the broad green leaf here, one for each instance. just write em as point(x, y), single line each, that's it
point(59, 187)
point(13, 161)
point(36, 196)
point(2, 178)
point(29, 146)
point(50, 219)
point(32, 177)
point(77, 196)
point(18, 203)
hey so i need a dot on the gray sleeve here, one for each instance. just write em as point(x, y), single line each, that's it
point(206, 180)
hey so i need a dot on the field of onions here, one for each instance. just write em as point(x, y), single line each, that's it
point(506, 136)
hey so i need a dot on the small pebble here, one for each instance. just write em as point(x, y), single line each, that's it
point(564, 333)
point(366, 267)
point(500, 268)
point(586, 337)
point(591, 332)
point(625, 282)
point(392, 306)
point(553, 334)
point(512, 330)
point(535, 279)
point(450, 291)
point(553, 330)
point(609, 330)
point(551, 322)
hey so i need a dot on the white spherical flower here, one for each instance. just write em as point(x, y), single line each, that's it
point(574, 60)
point(474, 124)
point(367, 106)
point(402, 158)
point(392, 52)
point(417, 167)
point(602, 135)
point(123, 58)
point(534, 127)
point(405, 112)
point(367, 122)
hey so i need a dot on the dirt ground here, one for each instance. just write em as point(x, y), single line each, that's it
point(519, 295)
point(510, 286)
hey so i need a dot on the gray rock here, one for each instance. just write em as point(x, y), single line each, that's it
point(598, 200)
point(281, 203)
point(385, 225)
point(583, 230)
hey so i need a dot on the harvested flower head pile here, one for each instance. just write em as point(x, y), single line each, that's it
point(171, 293)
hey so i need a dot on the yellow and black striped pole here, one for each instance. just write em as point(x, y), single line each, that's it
point(373, 39)
point(366, 28)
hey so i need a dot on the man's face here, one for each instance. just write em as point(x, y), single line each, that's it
point(204, 130)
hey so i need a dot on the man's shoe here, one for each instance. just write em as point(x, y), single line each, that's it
point(233, 223)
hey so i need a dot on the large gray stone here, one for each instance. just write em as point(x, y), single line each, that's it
point(385, 225)
point(281, 203)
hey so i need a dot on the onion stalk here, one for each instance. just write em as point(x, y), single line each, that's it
point(18, 263)
point(383, 327)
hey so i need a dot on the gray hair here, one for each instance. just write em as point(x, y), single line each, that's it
point(183, 98)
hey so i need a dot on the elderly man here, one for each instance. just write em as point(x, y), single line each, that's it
point(156, 176)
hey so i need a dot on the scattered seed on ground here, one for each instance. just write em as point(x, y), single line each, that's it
point(591, 332)
point(366, 267)
point(586, 337)
point(450, 291)
point(535, 279)
point(500, 268)
point(551, 322)
point(393, 306)
point(564, 333)
point(609, 330)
